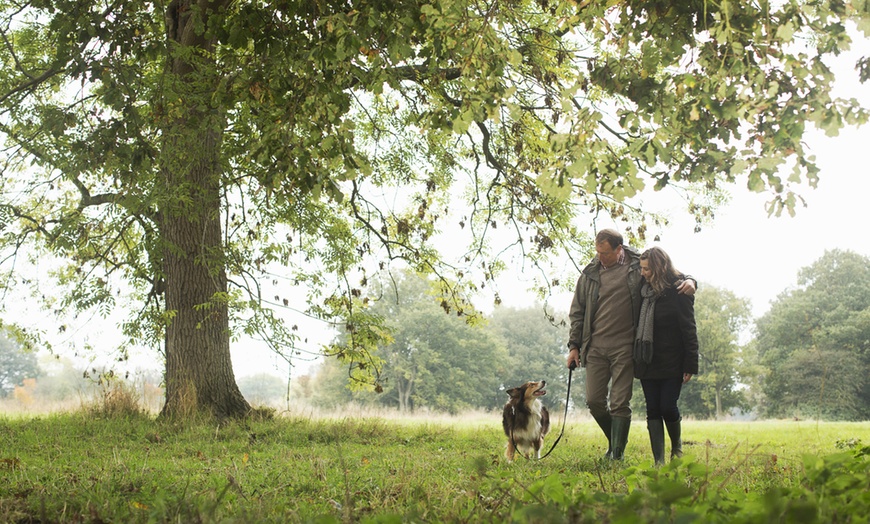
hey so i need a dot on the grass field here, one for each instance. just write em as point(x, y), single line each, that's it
point(82, 467)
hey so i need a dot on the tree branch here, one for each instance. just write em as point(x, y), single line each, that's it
point(421, 72)
point(30, 84)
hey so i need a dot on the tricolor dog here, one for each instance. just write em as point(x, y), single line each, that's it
point(525, 419)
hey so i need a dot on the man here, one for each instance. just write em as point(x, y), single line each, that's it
point(603, 315)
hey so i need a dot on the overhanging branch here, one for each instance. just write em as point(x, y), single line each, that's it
point(88, 200)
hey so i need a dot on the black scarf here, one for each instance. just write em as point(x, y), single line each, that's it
point(643, 343)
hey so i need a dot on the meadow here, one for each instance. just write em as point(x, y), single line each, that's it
point(89, 466)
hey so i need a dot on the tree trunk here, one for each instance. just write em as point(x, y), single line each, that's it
point(404, 387)
point(199, 372)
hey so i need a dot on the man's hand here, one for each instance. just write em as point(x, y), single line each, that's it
point(687, 377)
point(687, 287)
point(574, 358)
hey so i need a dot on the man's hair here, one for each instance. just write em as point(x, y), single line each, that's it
point(663, 272)
point(611, 236)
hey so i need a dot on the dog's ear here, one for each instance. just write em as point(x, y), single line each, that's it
point(513, 392)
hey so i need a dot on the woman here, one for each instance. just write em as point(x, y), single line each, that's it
point(665, 350)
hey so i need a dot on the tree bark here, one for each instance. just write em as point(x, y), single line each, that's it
point(199, 372)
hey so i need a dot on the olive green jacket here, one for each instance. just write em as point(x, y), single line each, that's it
point(585, 302)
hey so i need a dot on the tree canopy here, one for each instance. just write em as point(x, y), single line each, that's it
point(182, 160)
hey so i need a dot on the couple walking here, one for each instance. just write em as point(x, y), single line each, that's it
point(632, 316)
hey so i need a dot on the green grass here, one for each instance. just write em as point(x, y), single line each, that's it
point(81, 468)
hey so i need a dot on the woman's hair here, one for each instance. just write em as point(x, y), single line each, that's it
point(661, 268)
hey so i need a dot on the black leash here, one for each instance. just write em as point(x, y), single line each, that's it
point(564, 420)
point(564, 417)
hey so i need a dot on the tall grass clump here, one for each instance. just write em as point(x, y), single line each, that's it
point(113, 399)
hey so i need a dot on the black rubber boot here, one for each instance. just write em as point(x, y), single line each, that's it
point(604, 422)
point(656, 430)
point(674, 431)
point(619, 436)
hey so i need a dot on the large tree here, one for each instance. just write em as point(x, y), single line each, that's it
point(815, 342)
point(184, 152)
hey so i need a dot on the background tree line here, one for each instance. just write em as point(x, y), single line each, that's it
point(53, 383)
point(807, 357)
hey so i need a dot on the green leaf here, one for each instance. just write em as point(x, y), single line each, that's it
point(785, 32)
point(554, 489)
point(555, 186)
point(755, 182)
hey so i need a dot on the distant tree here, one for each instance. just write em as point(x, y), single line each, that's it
point(720, 317)
point(331, 386)
point(536, 350)
point(441, 362)
point(436, 360)
point(15, 365)
point(300, 388)
point(815, 342)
